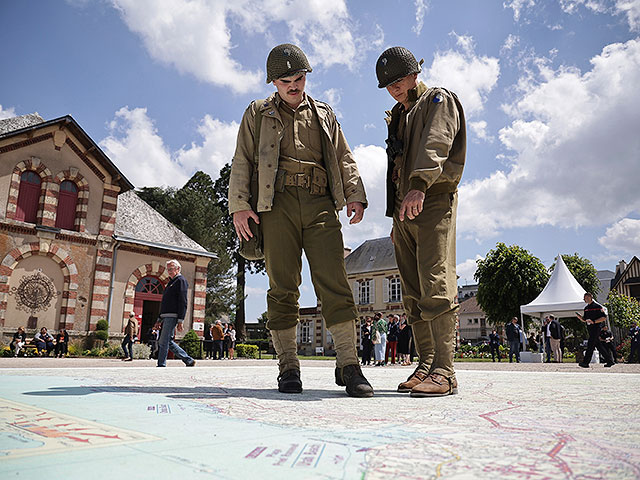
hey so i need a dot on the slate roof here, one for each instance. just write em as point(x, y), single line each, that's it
point(372, 256)
point(16, 123)
point(137, 222)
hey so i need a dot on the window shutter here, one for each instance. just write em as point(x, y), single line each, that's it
point(356, 292)
point(385, 290)
point(372, 290)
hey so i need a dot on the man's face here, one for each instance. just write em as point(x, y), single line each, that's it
point(291, 88)
point(173, 270)
point(587, 298)
point(400, 89)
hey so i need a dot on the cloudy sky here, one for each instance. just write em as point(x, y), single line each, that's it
point(550, 90)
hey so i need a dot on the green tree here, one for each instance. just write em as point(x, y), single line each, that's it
point(507, 278)
point(623, 311)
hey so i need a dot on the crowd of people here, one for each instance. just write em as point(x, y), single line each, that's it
point(44, 342)
point(219, 341)
point(388, 340)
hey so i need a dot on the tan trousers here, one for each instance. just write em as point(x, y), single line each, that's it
point(300, 221)
point(555, 348)
point(426, 255)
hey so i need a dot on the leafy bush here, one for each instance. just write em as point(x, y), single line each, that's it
point(247, 351)
point(6, 352)
point(190, 343)
point(102, 325)
point(102, 335)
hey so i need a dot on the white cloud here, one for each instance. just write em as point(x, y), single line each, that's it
point(628, 8)
point(372, 165)
point(7, 112)
point(422, 7)
point(195, 36)
point(479, 129)
point(467, 269)
point(255, 291)
point(575, 150)
point(333, 97)
point(138, 150)
point(509, 44)
point(622, 237)
point(471, 76)
point(518, 6)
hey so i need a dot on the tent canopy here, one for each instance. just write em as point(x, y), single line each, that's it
point(562, 294)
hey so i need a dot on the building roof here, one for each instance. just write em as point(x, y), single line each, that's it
point(19, 125)
point(626, 274)
point(372, 256)
point(470, 305)
point(137, 222)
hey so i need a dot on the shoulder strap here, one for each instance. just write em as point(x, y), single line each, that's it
point(256, 135)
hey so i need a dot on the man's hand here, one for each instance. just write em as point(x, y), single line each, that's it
point(357, 210)
point(241, 223)
point(412, 204)
point(179, 327)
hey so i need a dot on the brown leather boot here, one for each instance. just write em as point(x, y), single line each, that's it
point(436, 385)
point(414, 379)
point(351, 377)
point(285, 344)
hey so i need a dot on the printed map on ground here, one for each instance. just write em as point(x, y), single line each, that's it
point(230, 423)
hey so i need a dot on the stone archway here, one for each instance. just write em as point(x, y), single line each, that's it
point(45, 209)
point(64, 261)
point(153, 269)
point(73, 174)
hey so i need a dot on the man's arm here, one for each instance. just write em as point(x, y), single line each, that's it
point(240, 178)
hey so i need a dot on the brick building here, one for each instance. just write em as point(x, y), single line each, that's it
point(76, 243)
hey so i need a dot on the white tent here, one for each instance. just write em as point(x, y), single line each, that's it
point(562, 296)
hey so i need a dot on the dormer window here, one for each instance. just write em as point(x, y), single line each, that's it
point(28, 197)
point(67, 202)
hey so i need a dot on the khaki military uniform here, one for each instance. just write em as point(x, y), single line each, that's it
point(433, 136)
point(306, 172)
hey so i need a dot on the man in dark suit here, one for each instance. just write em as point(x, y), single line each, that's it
point(513, 336)
point(594, 317)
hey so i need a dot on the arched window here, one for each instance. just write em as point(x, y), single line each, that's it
point(67, 201)
point(28, 197)
point(150, 285)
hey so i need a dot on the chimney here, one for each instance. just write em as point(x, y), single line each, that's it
point(622, 266)
point(346, 252)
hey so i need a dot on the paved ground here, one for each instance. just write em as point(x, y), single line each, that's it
point(97, 418)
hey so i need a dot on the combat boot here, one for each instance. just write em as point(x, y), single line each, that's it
point(417, 377)
point(424, 346)
point(286, 346)
point(348, 372)
point(351, 377)
point(436, 385)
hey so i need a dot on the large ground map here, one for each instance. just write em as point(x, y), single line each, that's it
point(228, 422)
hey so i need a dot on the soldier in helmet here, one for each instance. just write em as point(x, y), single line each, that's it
point(305, 174)
point(426, 148)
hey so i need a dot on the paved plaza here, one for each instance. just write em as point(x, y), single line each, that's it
point(105, 419)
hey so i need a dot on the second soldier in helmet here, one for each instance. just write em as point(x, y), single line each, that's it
point(426, 148)
point(306, 172)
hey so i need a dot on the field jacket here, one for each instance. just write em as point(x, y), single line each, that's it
point(434, 144)
point(343, 179)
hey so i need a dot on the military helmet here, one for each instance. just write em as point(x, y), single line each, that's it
point(285, 60)
point(395, 63)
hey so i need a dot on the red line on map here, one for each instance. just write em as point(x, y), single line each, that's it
point(487, 416)
point(563, 439)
